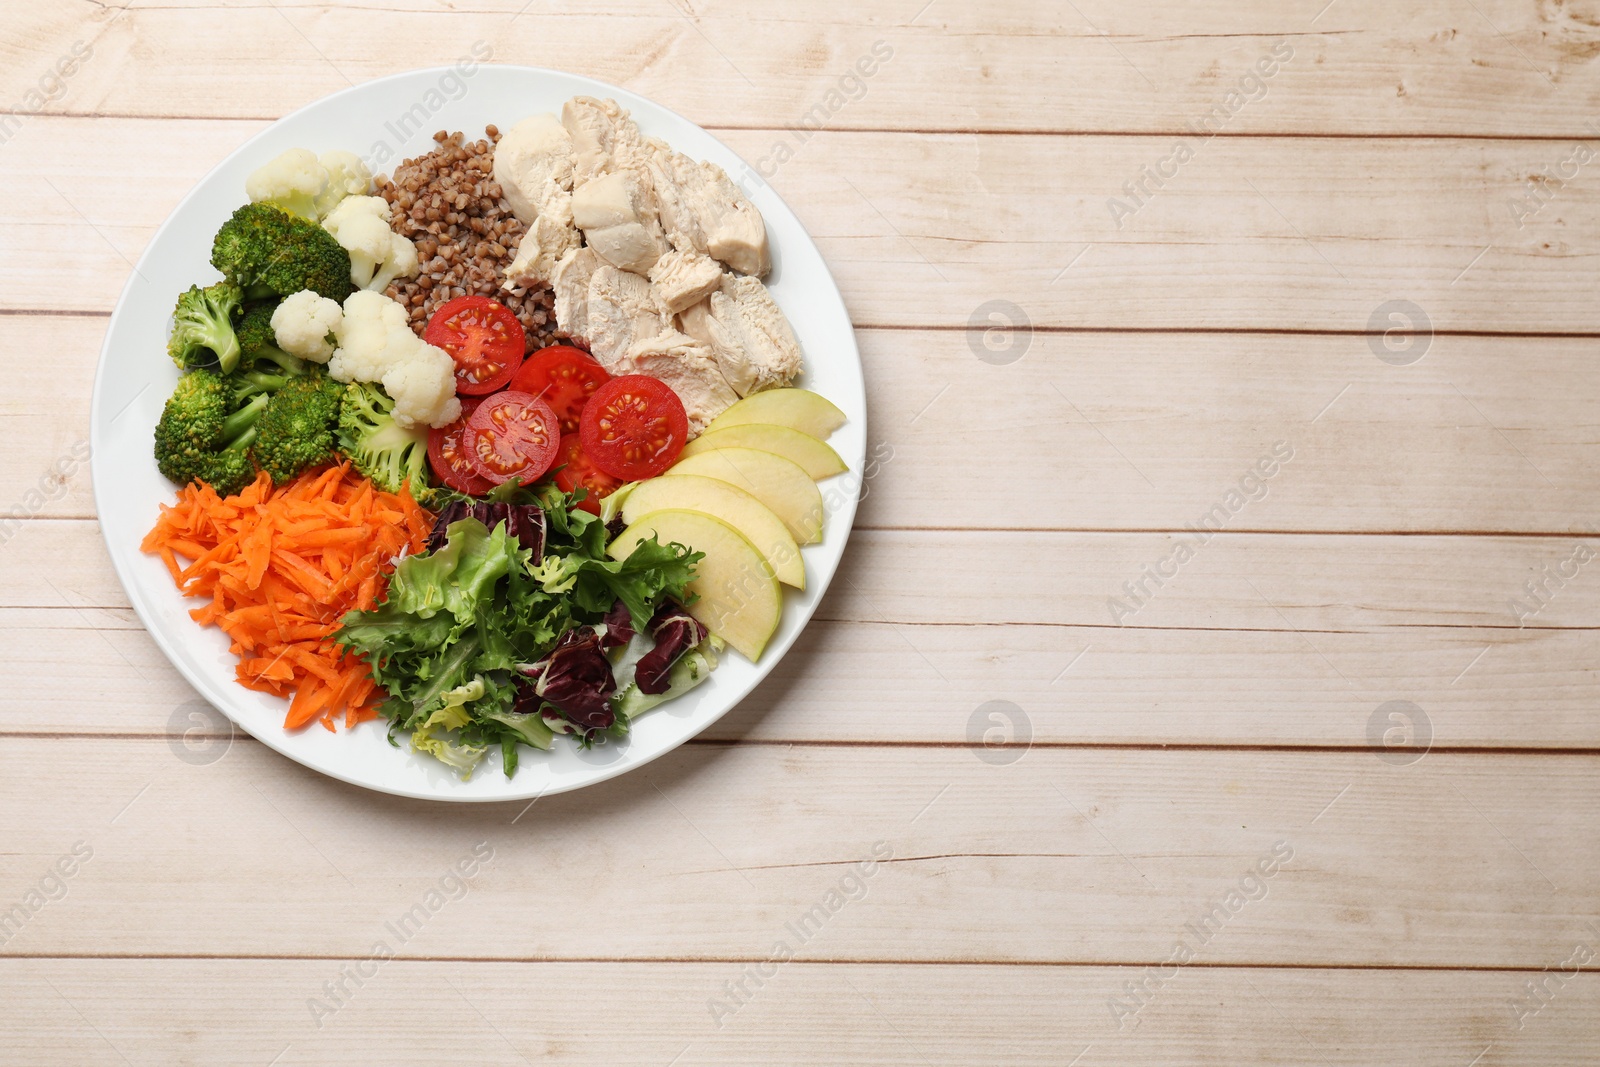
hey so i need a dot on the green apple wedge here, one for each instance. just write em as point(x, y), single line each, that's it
point(798, 409)
point(734, 506)
point(811, 455)
point(738, 598)
point(778, 483)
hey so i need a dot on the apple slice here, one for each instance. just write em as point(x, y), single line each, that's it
point(778, 483)
point(798, 409)
point(739, 599)
point(734, 506)
point(811, 455)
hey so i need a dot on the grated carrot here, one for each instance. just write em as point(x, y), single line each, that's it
point(280, 567)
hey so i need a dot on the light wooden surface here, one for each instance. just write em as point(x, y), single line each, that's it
point(1059, 788)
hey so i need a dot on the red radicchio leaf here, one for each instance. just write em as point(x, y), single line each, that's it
point(676, 632)
point(524, 522)
point(618, 625)
point(576, 677)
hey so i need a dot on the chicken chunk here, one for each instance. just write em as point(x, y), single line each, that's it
point(688, 368)
point(533, 164)
point(570, 280)
point(622, 309)
point(618, 219)
point(701, 209)
point(747, 333)
point(604, 138)
point(682, 279)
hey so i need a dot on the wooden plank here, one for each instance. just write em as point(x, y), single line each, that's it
point(98, 673)
point(802, 1014)
point(1253, 233)
point(1063, 856)
point(1234, 581)
point(1102, 431)
point(1501, 68)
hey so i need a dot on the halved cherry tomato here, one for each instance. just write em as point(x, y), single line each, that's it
point(511, 435)
point(634, 427)
point(449, 462)
point(483, 337)
point(574, 468)
point(565, 378)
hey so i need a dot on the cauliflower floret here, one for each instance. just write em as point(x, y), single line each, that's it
point(376, 344)
point(347, 176)
point(378, 255)
point(364, 337)
point(424, 388)
point(292, 181)
point(305, 325)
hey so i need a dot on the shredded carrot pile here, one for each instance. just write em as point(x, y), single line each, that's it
point(280, 568)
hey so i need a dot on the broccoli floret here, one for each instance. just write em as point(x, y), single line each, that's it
point(296, 430)
point(378, 447)
point(270, 253)
point(202, 328)
point(205, 433)
point(258, 341)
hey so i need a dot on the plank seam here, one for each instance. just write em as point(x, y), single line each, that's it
point(869, 961)
point(954, 131)
point(759, 742)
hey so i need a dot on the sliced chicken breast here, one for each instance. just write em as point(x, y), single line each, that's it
point(701, 209)
point(604, 138)
point(570, 280)
point(622, 309)
point(688, 368)
point(618, 220)
point(684, 278)
point(747, 333)
point(533, 164)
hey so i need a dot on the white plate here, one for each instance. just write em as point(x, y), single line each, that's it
point(135, 377)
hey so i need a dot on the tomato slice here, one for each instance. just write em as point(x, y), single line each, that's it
point(565, 378)
point(483, 337)
point(511, 435)
point(449, 462)
point(574, 468)
point(634, 427)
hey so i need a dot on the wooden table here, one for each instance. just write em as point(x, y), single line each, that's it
point(1051, 779)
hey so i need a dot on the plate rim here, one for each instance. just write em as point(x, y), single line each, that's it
point(276, 739)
